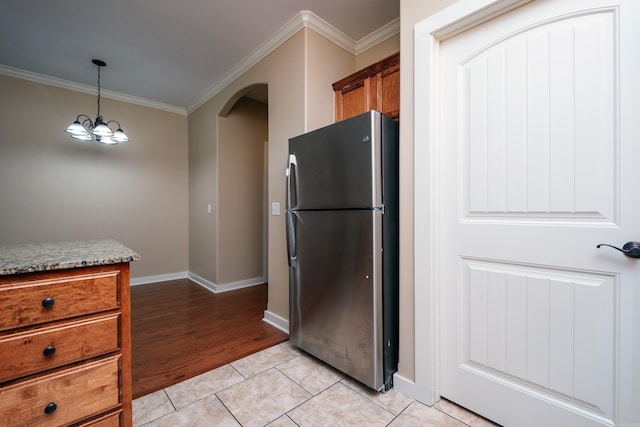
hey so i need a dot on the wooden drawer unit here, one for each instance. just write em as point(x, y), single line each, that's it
point(65, 347)
point(31, 302)
point(61, 398)
point(58, 345)
point(111, 420)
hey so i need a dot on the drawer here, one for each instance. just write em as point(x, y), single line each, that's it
point(31, 302)
point(76, 393)
point(34, 351)
point(111, 420)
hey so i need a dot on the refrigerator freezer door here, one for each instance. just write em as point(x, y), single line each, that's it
point(338, 166)
point(336, 291)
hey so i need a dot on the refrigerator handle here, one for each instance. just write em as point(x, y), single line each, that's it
point(292, 255)
point(292, 181)
point(291, 203)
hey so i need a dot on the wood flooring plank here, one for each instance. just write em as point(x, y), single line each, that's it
point(180, 329)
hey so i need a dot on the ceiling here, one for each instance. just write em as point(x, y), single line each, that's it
point(165, 51)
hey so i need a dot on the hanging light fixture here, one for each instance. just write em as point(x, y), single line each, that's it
point(87, 130)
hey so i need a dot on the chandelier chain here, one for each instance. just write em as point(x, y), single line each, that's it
point(99, 90)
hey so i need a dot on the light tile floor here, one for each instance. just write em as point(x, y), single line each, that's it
point(282, 386)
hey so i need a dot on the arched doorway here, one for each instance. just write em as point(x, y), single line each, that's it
point(242, 188)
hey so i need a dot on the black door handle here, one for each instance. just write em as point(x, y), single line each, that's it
point(630, 249)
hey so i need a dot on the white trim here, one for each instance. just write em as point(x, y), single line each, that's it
point(276, 321)
point(232, 286)
point(288, 30)
point(404, 385)
point(158, 278)
point(301, 20)
point(378, 36)
point(425, 306)
point(210, 286)
point(226, 286)
point(79, 87)
point(322, 27)
point(269, 317)
point(428, 34)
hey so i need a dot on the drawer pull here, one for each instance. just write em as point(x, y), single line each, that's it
point(50, 408)
point(48, 302)
point(49, 351)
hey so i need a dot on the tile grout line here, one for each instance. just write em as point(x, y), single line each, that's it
point(343, 381)
point(226, 407)
point(173, 405)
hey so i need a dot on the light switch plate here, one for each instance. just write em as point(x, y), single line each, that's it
point(275, 208)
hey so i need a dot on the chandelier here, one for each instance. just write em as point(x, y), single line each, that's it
point(87, 130)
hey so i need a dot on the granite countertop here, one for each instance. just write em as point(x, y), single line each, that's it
point(28, 258)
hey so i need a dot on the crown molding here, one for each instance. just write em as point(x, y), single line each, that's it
point(378, 36)
point(303, 19)
point(281, 36)
point(91, 90)
point(328, 31)
point(299, 21)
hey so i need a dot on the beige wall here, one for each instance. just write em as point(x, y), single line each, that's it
point(242, 134)
point(54, 188)
point(411, 12)
point(325, 63)
point(376, 53)
point(299, 74)
point(283, 71)
point(203, 172)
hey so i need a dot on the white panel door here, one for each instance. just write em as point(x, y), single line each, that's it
point(539, 149)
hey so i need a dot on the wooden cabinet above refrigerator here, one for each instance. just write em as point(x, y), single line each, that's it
point(376, 87)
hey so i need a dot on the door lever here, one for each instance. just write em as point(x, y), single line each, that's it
point(630, 249)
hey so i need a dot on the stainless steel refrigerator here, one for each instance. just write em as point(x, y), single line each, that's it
point(342, 242)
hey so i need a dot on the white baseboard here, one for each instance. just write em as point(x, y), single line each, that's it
point(276, 321)
point(202, 282)
point(240, 284)
point(158, 278)
point(404, 385)
point(400, 383)
point(226, 286)
point(199, 280)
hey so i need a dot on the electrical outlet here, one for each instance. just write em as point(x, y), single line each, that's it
point(275, 208)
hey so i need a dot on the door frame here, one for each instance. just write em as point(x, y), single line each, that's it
point(428, 34)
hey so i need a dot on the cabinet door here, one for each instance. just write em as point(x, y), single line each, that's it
point(389, 92)
point(376, 87)
point(354, 99)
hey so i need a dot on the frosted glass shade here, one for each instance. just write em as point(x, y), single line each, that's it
point(102, 130)
point(76, 128)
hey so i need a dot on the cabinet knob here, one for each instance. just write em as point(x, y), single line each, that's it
point(49, 351)
point(50, 408)
point(48, 302)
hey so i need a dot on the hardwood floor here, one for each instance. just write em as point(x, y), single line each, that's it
point(180, 330)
